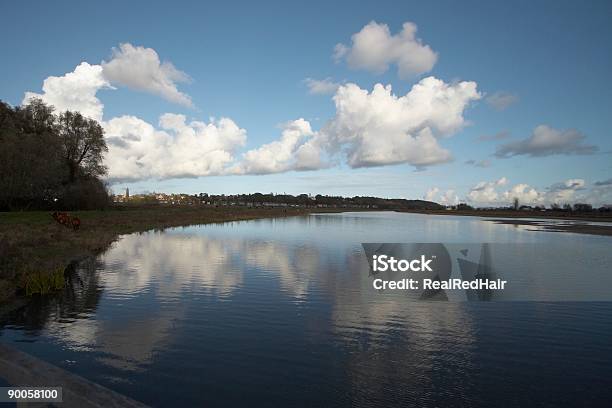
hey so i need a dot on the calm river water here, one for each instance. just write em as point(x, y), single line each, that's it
point(281, 312)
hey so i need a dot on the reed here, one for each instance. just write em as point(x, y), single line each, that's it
point(42, 282)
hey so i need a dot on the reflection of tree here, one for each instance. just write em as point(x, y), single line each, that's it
point(83, 288)
point(81, 295)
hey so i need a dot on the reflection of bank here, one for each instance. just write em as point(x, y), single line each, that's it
point(80, 297)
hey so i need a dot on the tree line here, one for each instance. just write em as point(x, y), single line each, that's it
point(49, 160)
point(325, 200)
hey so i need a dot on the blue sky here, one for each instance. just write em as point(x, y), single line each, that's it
point(248, 62)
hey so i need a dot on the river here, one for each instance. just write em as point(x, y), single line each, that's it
point(280, 312)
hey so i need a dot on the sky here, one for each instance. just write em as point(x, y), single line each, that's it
point(477, 102)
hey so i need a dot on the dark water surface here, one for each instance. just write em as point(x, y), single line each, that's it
point(281, 313)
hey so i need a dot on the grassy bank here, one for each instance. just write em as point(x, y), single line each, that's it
point(34, 246)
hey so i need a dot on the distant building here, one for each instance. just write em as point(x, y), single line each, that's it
point(127, 193)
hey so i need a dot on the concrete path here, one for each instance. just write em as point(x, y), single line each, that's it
point(21, 369)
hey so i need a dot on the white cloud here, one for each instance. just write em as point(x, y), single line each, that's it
point(294, 151)
point(140, 68)
point(431, 194)
point(501, 100)
point(134, 67)
point(379, 128)
point(371, 129)
point(137, 150)
point(567, 192)
point(525, 194)
point(485, 192)
point(449, 197)
point(374, 128)
point(374, 49)
point(75, 91)
point(547, 141)
point(321, 86)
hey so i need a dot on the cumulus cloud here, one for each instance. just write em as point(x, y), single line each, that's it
point(546, 141)
point(485, 192)
point(374, 128)
point(493, 193)
point(479, 163)
point(134, 67)
point(501, 100)
point(321, 86)
point(140, 68)
point(564, 192)
point(75, 91)
point(294, 151)
point(449, 197)
point(380, 128)
point(524, 193)
point(369, 128)
point(138, 150)
point(374, 48)
point(431, 194)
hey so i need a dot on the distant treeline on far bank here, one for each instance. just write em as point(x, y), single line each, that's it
point(325, 201)
point(275, 200)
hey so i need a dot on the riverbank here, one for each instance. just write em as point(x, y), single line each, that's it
point(534, 221)
point(550, 215)
point(575, 226)
point(33, 243)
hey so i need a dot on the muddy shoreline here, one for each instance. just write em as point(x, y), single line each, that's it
point(544, 225)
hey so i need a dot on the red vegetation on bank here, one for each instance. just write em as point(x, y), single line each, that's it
point(66, 220)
